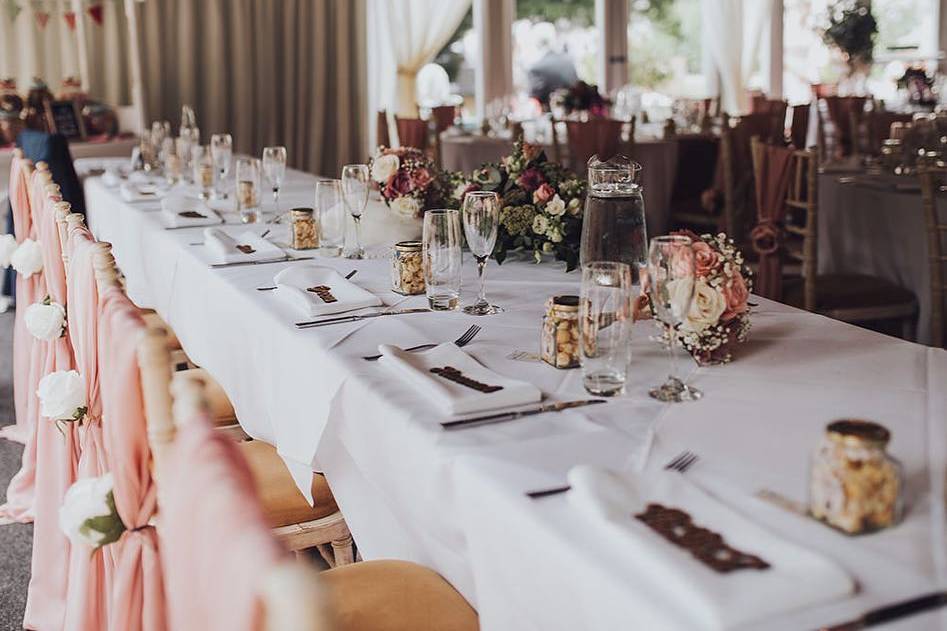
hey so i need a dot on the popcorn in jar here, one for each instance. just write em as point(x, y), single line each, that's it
point(560, 332)
point(854, 485)
point(305, 232)
point(407, 274)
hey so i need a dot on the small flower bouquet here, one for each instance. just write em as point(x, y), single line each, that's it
point(408, 181)
point(719, 315)
point(541, 204)
point(584, 97)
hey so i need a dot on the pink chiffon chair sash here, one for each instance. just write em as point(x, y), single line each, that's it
point(89, 570)
point(137, 594)
point(216, 546)
point(57, 450)
point(771, 188)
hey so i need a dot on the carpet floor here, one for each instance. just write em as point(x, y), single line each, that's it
point(16, 540)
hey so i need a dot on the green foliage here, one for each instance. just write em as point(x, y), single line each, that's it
point(852, 29)
point(577, 12)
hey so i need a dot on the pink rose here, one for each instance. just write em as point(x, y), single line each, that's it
point(399, 184)
point(543, 194)
point(422, 177)
point(706, 259)
point(530, 152)
point(530, 180)
point(736, 295)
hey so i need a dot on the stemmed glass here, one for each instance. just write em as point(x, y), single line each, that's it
point(221, 148)
point(355, 191)
point(274, 167)
point(481, 216)
point(670, 285)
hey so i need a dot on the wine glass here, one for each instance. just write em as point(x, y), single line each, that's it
point(221, 148)
point(670, 285)
point(355, 191)
point(274, 168)
point(481, 217)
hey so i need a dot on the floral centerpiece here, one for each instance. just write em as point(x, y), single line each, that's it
point(540, 201)
point(719, 315)
point(583, 97)
point(409, 181)
point(852, 29)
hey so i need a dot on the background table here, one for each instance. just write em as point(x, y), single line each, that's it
point(657, 157)
point(867, 226)
point(454, 501)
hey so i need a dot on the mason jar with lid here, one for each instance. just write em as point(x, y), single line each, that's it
point(305, 231)
point(559, 345)
point(854, 484)
point(407, 274)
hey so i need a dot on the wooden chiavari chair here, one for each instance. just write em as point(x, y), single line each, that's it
point(853, 298)
point(297, 524)
point(383, 137)
point(935, 219)
point(875, 127)
point(838, 118)
point(799, 127)
point(412, 132)
point(604, 137)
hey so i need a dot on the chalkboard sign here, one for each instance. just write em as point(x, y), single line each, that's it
point(63, 117)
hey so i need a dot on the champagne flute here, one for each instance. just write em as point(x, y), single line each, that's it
point(274, 167)
point(355, 180)
point(671, 281)
point(481, 216)
point(221, 148)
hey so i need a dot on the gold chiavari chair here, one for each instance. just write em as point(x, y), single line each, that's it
point(935, 219)
point(604, 137)
point(297, 524)
point(853, 298)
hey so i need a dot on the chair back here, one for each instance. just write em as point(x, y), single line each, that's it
point(799, 128)
point(412, 132)
point(736, 170)
point(772, 172)
point(382, 136)
point(839, 116)
point(597, 136)
point(53, 149)
point(443, 116)
point(878, 128)
point(935, 220)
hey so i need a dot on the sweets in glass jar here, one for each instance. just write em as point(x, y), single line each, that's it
point(854, 485)
point(407, 274)
point(305, 232)
point(560, 332)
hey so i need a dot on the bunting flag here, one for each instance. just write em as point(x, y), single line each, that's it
point(95, 12)
point(70, 18)
point(13, 9)
point(42, 17)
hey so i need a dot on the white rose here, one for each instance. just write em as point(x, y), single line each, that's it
point(88, 516)
point(460, 190)
point(548, 247)
point(45, 320)
point(706, 307)
point(575, 207)
point(27, 259)
point(554, 234)
point(384, 167)
point(7, 248)
point(540, 224)
point(406, 206)
point(555, 206)
point(62, 396)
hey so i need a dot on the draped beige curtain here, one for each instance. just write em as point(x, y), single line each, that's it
point(269, 72)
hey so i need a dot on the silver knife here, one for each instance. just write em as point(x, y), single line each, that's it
point(895, 611)
point(285, 259)
point(502, 417)
point(355, 318)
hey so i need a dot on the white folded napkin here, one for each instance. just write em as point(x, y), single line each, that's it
point(173, 206)
point(293, 283)
point(223, 248)
point(797, 577)
point(141, 191)
point(454, 398)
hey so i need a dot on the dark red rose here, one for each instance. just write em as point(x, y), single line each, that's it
point(422, 177)
point(400, 184)
point(530, 180)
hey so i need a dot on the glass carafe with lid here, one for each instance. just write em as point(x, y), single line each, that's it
point(613, 227)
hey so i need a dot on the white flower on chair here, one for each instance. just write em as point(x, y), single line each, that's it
point(62, 396)
point(88, 515)
point(27, 259)
point(7, 248)
point(45, 320)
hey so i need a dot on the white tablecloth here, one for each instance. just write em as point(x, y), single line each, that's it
point(454, 501)
point(866, 226)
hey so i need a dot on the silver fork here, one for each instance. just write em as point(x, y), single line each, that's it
point(680, 463)
point(461, 341)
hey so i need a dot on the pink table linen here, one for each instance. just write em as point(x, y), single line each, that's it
point(216, 547)
point(89, 570)
point(137, 594)
point(57, 451)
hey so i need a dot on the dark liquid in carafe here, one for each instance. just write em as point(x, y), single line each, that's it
point(614, 230)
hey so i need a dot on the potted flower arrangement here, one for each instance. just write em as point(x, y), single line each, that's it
point(719, 316)
point(409, 181)
point(541, 204)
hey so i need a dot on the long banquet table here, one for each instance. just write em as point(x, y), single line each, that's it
point(455, 501)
